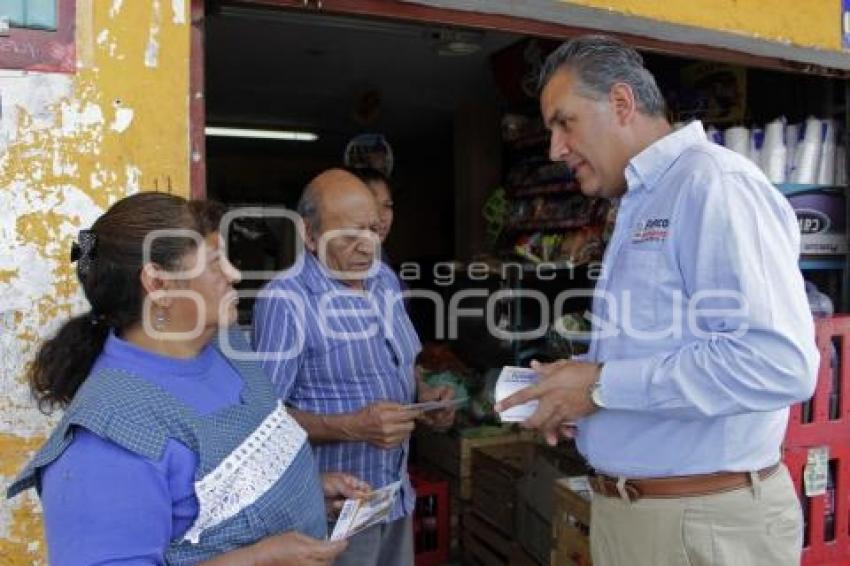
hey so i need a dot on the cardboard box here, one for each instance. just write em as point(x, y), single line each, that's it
point(821, 214)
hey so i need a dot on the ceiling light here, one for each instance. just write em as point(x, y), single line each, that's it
point(288, 135)
point(457, 48)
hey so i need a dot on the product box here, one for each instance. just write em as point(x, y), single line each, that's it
point(821, 214)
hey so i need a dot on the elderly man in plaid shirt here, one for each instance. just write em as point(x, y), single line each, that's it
point(340, 348)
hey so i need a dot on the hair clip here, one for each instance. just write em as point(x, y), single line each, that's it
point(83, 251)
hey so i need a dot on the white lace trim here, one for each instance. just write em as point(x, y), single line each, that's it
point(247, 472)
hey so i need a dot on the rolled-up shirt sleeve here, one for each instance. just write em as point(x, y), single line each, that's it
point(737, 252)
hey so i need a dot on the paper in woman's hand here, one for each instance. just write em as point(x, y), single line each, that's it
point(359, 514)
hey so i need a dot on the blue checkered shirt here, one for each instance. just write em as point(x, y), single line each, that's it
point(360, 351)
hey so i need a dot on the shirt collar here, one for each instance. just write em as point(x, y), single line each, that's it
point(647, 167)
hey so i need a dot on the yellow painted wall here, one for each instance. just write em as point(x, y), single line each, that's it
point(70, 145)
point(806, 23)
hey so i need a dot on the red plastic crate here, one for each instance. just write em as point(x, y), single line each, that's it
point(822, 430)
point(834, 433)
point(818, 550)
point(428, 485)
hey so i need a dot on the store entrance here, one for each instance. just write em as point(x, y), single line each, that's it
point(427, 91)
point(456, 111)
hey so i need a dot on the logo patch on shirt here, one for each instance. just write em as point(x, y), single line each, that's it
point(651, 230)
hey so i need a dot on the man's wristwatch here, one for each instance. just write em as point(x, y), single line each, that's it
point(596, 391)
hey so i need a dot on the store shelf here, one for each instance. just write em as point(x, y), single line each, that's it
point(815, 264)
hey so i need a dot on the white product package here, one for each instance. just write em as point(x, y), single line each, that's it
point(511, 380)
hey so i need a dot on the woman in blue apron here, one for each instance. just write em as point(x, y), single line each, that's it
point(173, 447)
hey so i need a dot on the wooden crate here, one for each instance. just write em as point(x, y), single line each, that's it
point(500, 471)
point(451, 454)
point(484, 545)
point(496, 470)
point(570, 527)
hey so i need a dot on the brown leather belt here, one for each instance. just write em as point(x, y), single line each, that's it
point(677, 486)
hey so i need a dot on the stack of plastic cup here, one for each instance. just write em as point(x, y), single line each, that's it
point(826, 163)
point(714, 135)
point(774, 154)
point(792, 139)
point(807, 155)
point(756, 143)
point(737, 139)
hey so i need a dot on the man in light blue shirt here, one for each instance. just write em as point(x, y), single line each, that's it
point(702, 333)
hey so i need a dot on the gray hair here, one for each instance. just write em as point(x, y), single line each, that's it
point(600, 62)
point(308, 208)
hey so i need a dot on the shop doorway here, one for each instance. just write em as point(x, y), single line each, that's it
point(443, 88)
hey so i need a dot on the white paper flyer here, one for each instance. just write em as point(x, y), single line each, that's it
point(358, 514)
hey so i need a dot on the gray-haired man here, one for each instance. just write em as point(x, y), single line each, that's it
point(703, 336)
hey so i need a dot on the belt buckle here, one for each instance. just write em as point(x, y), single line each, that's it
point(609, 487)
point(627, 490)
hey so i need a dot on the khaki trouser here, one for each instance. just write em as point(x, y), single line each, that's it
point(758, 524)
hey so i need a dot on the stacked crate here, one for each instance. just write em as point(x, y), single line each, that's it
point(816, 428)
point(819, 431)
point(509, 519)
point(450, 454)
point(431, 527)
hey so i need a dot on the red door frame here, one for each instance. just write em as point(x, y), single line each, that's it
point(400, 10)
point(197, 105)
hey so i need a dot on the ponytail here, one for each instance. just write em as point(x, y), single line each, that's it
point(64, 361)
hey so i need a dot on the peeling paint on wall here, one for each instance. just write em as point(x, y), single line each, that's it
point(123, 119)
point(178, 10)
point(71, 145)
point(152, 50)
point(103, 41)
point(115, 9)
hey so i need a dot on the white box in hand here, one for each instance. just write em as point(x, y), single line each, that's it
point(511, 380)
